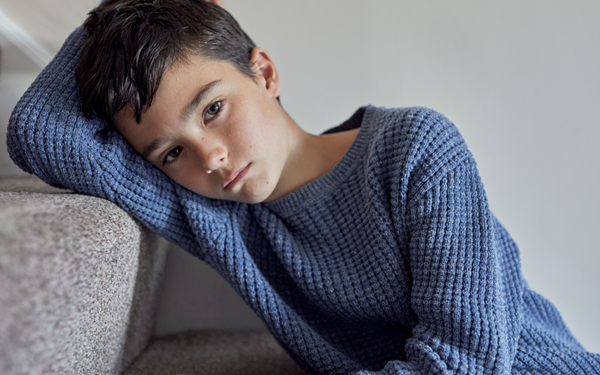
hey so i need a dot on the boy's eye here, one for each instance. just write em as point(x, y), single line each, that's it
point(172, 155)
point(212, 110)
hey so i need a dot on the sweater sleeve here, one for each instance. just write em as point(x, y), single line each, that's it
point(49, 136)
point(457, 292)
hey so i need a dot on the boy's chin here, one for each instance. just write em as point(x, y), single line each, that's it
point(254, 199)
point(250, 193)
point(252, 196)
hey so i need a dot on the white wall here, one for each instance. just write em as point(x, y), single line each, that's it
point(519, 79)
point(49, 22)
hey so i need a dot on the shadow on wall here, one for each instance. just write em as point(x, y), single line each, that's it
point(194, 296)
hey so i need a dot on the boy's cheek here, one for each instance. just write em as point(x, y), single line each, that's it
point(190, 180)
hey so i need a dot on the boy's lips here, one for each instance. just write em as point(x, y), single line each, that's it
point(235, 177)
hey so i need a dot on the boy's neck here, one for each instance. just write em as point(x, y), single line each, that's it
point(311, 156)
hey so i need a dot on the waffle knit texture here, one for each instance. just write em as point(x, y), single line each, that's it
point(391, 263)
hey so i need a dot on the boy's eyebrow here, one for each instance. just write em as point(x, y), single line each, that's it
point(199, 98)
point(152, 147)
point(186, 113)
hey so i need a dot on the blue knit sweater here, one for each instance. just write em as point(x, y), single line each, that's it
point(391, 263)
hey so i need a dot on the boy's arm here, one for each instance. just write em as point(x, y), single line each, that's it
point(463, 290)
point(458, 292)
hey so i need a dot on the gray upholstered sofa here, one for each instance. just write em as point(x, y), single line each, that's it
point(79, 282)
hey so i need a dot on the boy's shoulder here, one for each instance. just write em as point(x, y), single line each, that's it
point(412, 123)
point(412, 146)
point(415, 131)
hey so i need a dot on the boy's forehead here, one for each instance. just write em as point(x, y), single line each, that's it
point(192, 65)
point(182, 81)
point(199, 65)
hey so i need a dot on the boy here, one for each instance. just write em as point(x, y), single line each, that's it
point(370, 249)
point(248, 149)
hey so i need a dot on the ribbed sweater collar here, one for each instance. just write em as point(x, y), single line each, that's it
point(307, 194)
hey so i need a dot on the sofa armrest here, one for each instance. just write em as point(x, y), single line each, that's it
point(78, 281)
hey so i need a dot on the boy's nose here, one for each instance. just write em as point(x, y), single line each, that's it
point(212, 157)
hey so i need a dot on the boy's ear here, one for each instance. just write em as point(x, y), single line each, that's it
point(265, 71)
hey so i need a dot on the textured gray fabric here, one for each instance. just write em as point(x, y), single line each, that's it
point(78, 281)
point(28, 184)
point(214, 353)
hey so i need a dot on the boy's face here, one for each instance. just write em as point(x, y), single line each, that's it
point(214, 130)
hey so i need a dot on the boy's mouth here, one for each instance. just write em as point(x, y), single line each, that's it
point(235, 177)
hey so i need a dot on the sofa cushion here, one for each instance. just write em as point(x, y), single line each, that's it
point(79, 278)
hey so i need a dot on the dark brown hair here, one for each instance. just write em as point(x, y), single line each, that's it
point(130, 43)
